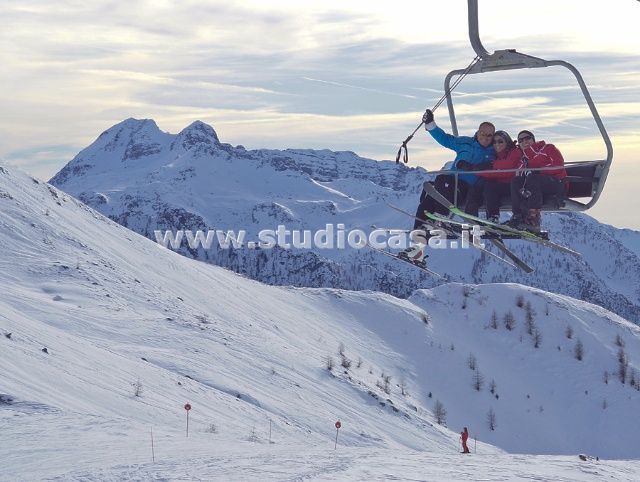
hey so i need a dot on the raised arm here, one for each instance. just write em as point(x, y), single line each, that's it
point(441, 137)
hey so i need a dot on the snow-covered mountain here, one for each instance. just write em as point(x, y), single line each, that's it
point(92, 313)
point(146, 179)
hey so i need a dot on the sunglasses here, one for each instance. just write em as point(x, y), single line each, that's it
point(498, 141)
point(525, 138)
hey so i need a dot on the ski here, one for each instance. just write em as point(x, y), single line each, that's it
point(408, 261)
point(496, 241)
point(457, 235)
point(500, 228)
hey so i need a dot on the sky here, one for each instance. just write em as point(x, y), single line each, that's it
point(308, 74)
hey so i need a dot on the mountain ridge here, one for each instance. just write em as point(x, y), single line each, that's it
point(207, 185)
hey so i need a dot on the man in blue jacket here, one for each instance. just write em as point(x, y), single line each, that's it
point(472, 154)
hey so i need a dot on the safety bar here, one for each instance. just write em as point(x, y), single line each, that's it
point(575, 204)
point(547, 168)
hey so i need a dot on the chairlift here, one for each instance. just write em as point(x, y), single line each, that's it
point(585, 179)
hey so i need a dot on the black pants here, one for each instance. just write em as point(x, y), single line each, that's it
point(538, 185)
point(445, 185)
point(494, 191)
point(474, 197)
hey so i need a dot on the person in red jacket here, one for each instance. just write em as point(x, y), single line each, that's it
point(464, 435)
point(528, 188)
point(498, 184)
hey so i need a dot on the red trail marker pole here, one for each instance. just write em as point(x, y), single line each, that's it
point(338, 425)
point(187, 407)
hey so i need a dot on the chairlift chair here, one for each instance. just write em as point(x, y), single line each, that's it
point(585, 179)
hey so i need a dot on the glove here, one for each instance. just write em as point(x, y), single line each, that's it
point(427, 117)
point(485, 166)
point(464, 166)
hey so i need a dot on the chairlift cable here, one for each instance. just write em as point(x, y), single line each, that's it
point(403, 151)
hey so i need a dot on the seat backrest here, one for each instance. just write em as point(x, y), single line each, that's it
point(581, 181)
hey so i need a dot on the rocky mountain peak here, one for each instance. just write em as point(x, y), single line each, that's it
point(195, 134)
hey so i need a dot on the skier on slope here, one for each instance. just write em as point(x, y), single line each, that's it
point(464, 435)
point(472, 154)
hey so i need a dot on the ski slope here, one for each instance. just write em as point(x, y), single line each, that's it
point(114, 309)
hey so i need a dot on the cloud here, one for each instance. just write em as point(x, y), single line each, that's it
point(284, 74)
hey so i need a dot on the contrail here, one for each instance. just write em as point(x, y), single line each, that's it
point(339, 84)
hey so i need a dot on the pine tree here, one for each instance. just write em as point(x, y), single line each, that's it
point(494, 320)
point(472, 362)
point(623, 366)
point(537, 338)
point(478, 380)
point(329, 363)
point(578, 351)
point(568, 332)
point(440, 413)
point(509, 320)
point(529, 318)
point(491, 419)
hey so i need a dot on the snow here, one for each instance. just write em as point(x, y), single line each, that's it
point(113, 309)
point(192, 181)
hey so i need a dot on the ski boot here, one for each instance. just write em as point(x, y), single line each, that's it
point(532, 221)
point(515, 222)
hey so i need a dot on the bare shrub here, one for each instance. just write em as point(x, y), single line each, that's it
point(345, 362)
point(137, 388)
